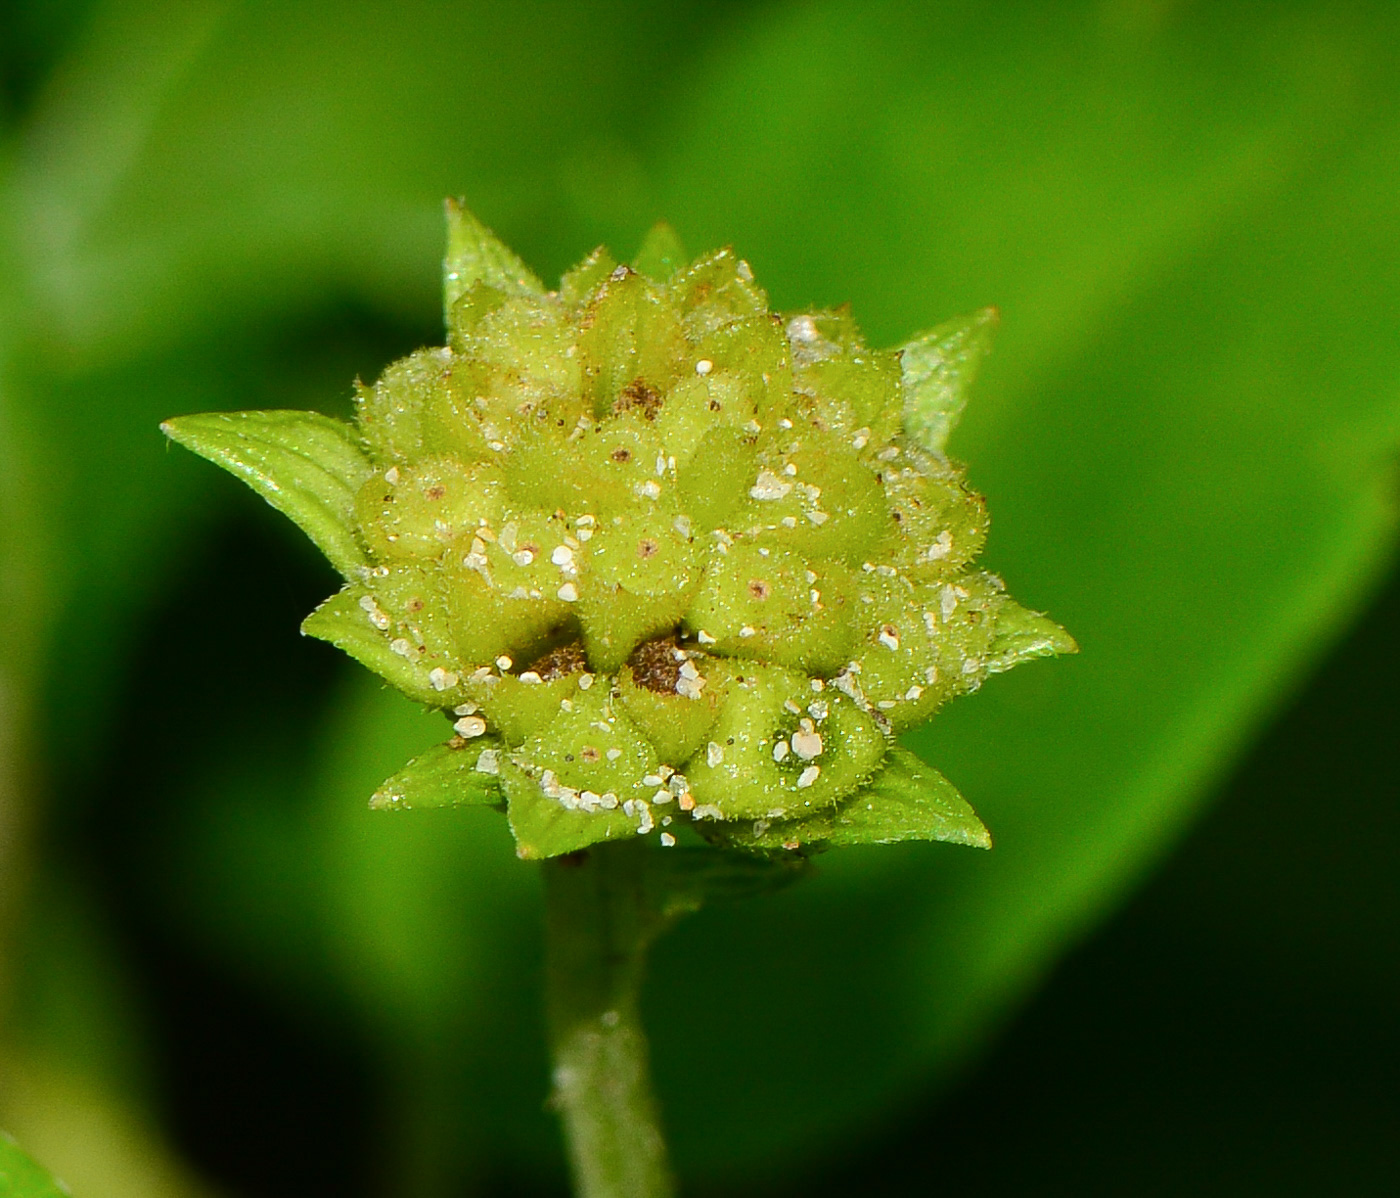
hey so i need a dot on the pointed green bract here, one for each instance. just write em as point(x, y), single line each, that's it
point(938, 369)
point(307, 466)
point(661, 254)
point(464, 772)
point(666, 559)
point(906, 800)
point(21, 1177)
point(476, 255)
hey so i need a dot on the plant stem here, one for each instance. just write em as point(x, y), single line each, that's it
point(600, 920)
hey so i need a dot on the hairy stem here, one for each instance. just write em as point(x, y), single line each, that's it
point(600, 920)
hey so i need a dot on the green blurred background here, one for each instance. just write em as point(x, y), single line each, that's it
point(1178, 972)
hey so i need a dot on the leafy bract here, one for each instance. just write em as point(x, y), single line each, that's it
point(939, 367)
point(906, 800)
point(459, 773)
point(307, 466)
point(477, 255)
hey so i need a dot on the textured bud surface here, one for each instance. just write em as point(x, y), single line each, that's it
point(666, 559)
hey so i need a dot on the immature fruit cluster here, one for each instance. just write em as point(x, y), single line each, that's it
point(665, 558)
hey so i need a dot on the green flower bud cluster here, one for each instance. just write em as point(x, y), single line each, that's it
point(666, 560)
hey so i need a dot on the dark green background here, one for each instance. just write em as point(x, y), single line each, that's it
point(220, 970)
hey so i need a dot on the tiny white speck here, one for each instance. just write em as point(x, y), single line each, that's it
point(682, 525)
point(651, 489)
point(391, 476)
point(585, 534)
point(522, 557)
point(688, 670)
point(769, 486)
point(789, 705)
point(652, 779)
point(789, 522)
point(503, 663)
point(401, 647)
point(714, 754)
point(785, 423)
point(566, 705)
point(585, 681)
point(667, 839)
point(861, 438)
point(780, 750)
point(888, 455)
point(790, 470)
point(746, 631)
point(704, 637)
point(531, 678)
point(913, 693)
point(470, 726)
point(613, 754)
point(440, 679)
point(660, 464)
point(704, 366)
point(465, 709)
point(809, 776)
point(489, 762)
point(889, 636)
point(886, 704)
point(818, 685)
point(817, 518)
point(562, 556)
point(568, 592)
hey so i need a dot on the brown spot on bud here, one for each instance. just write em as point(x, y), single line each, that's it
point(639, 394)
point(621, 454)
point(655, 665)
point(590, 754)
point(435, 492)
point(758, 588)
point(647, 547)
point(414, 605)
point(561, 662)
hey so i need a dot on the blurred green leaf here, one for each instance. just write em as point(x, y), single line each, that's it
point(308, 466)
point(1187, 218)
point(20, 1177)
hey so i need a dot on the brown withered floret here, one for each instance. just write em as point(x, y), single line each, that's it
point(656, 665)
point(639, 394)
point(561, 662)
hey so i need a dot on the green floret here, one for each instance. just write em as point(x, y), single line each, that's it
point(664, 558)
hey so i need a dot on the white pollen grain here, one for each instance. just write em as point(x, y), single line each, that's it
point(780, 751)
point(714, 754)
point(441, 680)
point(503, 663)
point(470, 726)
point(401, 646)
point(531, 678)
point(489, 762)
point(522, 557)
point(562, 556)
point(768, 486)
point(704, 366)
point(585, 681)
point(809, 776)
point(568, 593)
point(704, 637)
point(667, 839)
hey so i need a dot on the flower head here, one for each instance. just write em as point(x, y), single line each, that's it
point(664, 558)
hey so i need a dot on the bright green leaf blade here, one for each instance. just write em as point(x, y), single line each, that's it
point(908, 800)
point(1022, 635)
point(939, 367)
point(662, 253)
point(341, 621)
point(308, 466)
point(545, 828)
point(21, 1177)
point(477, 255)
point(447, 775)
